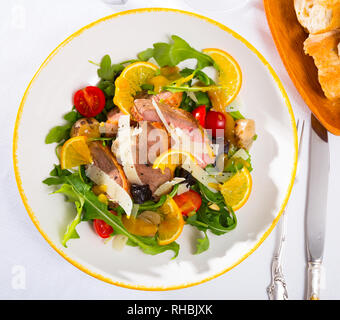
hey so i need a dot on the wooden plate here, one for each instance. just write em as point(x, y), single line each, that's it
point(289, 36)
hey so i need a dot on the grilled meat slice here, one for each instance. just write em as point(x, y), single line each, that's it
point(153, 177)
point(104, 160)
point(189, 131)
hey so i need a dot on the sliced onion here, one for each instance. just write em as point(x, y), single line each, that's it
point(115, 192)
point(167, 186)
point(135, 209)
point(192, 96)
point(200, 174)
point(241, 154)
point(125, 149)
point(119, 242)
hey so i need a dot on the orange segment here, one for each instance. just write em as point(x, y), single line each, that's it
point(75, 152)
point(172, 224)
point(129, 83)
point(237, 189)
point(139, 227)
point(230, 77)
point(171, 159)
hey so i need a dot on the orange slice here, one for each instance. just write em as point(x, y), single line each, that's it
point(237, 189)
point(75, 152)
point(172, 224)
point(171, 159)
point(230, 77)
point(129, 83)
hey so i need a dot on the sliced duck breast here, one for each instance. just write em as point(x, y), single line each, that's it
point(148, 141)
point(110, 127)
point(193, 137)
point(105, 160)
point(172, 99)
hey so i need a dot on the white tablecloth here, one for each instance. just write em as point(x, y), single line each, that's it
point(29, 31)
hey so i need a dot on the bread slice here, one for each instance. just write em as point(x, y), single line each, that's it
point(325, 49)
point(318, 16)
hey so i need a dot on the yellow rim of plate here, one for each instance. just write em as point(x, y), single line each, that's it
point(76, 34)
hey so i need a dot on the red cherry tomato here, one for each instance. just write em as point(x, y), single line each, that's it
point(215, 120)
point(103, 229)
point(188, 201)
point(200, 113)
point(89, 101)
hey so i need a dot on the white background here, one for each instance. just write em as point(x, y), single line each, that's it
point(29, 31)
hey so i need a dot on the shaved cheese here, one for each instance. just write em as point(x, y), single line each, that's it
point(125, 149)
point(114, 191)
point(160, 115)
point(167, 186)
point(183, 188)
point(200, 174)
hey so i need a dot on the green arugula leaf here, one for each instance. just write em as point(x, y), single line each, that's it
point(107, 87)
point(72, 116)
point(218, 221)
point(202, 98)
point(52, 181)
point(78, 191)
point(183, 88)
point(202, 244)
point(58, 133)
point(180, 50)
point(146, 54)
point(61, 133)
point(198, 74)
point(71, 232)
point(172, 54)
point(236, 115)
point(187, 103)
point(192, 220)
point(161, 54)
point(108, 71)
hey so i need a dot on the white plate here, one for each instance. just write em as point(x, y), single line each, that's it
point(49, 96)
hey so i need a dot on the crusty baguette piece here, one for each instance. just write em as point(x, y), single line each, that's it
point(318, 16)
point(325, 49)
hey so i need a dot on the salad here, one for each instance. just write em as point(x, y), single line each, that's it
point(156, 146)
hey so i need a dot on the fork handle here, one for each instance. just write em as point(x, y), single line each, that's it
point(278, 287)
point(314, 276)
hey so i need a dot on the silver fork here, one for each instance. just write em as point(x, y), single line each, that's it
point(277, 290)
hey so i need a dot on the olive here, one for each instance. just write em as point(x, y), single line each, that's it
point(140, 193)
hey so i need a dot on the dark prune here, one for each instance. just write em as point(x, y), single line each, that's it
point(189, 179)
point(140, 193)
